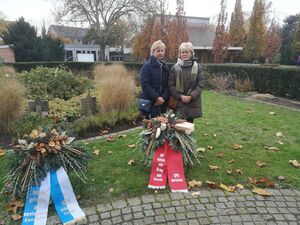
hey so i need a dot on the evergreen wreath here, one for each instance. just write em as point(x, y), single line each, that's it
point(38, 154)
point(168, 127)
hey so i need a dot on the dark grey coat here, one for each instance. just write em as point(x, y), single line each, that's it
point(194, 108)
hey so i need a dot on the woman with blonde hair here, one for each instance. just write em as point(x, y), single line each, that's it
point(186, 83)
point(154, 77)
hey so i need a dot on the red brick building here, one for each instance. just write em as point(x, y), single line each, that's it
point(7, 54)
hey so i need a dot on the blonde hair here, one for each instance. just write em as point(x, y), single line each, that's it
point(186, 46)
point(156, 45)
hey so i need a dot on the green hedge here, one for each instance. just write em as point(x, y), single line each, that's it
point(277, 80)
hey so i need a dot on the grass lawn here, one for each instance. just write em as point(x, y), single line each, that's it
point(226, 121)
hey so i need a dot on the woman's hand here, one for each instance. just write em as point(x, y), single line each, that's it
point(159, 101)
point(185, 99)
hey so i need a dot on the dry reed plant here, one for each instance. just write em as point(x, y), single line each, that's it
point(243, 85)
point(115, 86)
point(7, 69)
point(11, 102)
point(221, 82)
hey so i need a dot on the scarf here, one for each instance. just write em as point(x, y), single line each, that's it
point(178, 72)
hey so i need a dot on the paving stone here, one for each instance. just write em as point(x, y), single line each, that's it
point(160, 219)
point(246, 218)
point(138, 215)
point(175, 203)
point(180, 209)
point(157, 205)
point(214, 220)
point(204, 200)
point(190, 207)
point(200, 207)
point(149, 220)
point(148, 199)
point(180, 216)
point(166, 204)
point(201, 214)
point(117, 219)
point(250, 198)
point(119, 204)
point(138, 222)
point(115, 212)
point(292, 204)
point(95, 223)
point(209, 206)
point(128, 217)
point(177, 196)
point(278, 217)
point(134, 201)
point(126, 210)
point(149, 213)
point(194, 201)
point(272, 210)
point(104, 208)
point(170, 217)
point(290, 217)
point(262, 210)
point(160, 211)
point(235, 219)
point(89, 211)
point(170, 210)
point(211, 213)
point(106, 222)
point(270, 204)
point(193, 222)
point(105, 215)
point(287, 192)
point(283, 210)
point(222, 199)
point(205, 193)
point(182, 222)
point(224, 219)
point(137, 208)
point(93, 218)
point(218, 193)
point(162, 197)
point(221, 205)
point(147, 206)
point(191, 215)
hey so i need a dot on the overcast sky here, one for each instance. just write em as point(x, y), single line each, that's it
point(35, 11)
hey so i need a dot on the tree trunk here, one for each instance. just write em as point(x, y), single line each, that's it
point(102, 53)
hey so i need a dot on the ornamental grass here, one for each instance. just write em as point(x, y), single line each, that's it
point(11, 103)
point(116, 87)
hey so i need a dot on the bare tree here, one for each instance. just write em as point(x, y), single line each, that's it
point(101, 15)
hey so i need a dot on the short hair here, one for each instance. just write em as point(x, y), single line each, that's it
point(186, 46)
point(156, 45)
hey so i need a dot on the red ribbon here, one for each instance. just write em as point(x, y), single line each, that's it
point(167, 163)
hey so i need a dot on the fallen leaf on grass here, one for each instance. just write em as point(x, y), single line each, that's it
point(16, 217)
point(214, 135)
point(262, 181)
point(227, 188)
point(272, 148)
point(229, 171)
point(260, 164)
point(194, 183)
point(200, 150)
point(280, 178)
point(195, 193)
point(279, 134)
point(212, 185)
point(96, 152)
point(110, 139)
point(109, 152)
point(272, 113)
point(131, 146)
point(239, 186)
point(220, 154)
point(212, 167)
point(209, 147)
point(231, 161)
point(2, 153)
point(250, 110)
point(295, 163)
point(279, 142)
point(262, 192)
point(122, 135)
point(237, 146)
point(239, 171)
point(131, 162)
point(111, 190)
point(205, 134)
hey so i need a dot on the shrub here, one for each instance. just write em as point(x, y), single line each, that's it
point(52, 83)
point(29, 121)
point(11, 103)
point(243, 85)
point(116, 87)
point(221, 81)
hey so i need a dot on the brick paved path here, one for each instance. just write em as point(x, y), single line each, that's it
point(210, 207)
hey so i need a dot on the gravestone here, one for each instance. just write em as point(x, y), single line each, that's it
point(39, 105)
point(89, 105)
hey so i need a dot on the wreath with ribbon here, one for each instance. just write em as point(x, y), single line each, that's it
point(168, 127)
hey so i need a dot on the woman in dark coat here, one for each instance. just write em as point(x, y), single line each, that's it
point(186, 83)
point(154, 77)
